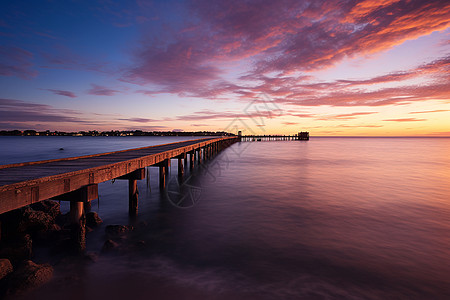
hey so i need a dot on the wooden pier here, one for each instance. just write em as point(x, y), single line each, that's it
point(301, 136)
point(76, 179)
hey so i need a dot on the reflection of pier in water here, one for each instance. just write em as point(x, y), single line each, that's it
point(76, 179)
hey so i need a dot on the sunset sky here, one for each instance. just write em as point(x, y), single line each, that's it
point(374, 67)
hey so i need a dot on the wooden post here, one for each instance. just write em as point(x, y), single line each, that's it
point(87, 206)
point(162, 177)
point(78, 226)
point(180, 167)
point(132, 197)
point(199, 155)
point(191, 158)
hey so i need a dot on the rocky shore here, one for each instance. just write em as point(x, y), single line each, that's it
point(40, 224)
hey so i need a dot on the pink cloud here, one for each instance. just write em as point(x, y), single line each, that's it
point(63, 93)
point(282, 37)
point(16, 61)
point(102, 91)
point(350, 116)
point(17, 111)
point(139, 120)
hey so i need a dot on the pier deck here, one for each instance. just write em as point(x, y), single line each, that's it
point(26, 183)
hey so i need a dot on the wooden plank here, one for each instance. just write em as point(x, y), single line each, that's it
point(26, 183)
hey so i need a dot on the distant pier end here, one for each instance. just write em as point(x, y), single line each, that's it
point(301, 136)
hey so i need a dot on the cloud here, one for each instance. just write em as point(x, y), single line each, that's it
point(256, 116)
point(139, 120)
point(62, 93)
point(99, 90)
point(405, 120)
point(276, 40)
point(62, 57)
point(289, 123)
point(15, 61)
point(16, 111)
point(429, 111)
point(359, 126)
point(350, 116)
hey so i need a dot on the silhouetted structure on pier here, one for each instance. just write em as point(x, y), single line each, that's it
point(301, 136)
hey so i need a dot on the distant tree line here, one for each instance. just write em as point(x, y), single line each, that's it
point(113, 133)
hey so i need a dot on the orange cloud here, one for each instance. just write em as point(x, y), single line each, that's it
point(405, 120)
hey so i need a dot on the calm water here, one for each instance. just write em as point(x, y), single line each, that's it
point(332, 218)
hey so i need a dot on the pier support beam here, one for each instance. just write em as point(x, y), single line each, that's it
point(132, 197)
point(163, 173)
point(77, 199)
point(191, 158)
point(78, 226)
point(199, 155)
point(180, 167)
point(133, 192)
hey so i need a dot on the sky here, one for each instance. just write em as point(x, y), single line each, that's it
point(333, 68)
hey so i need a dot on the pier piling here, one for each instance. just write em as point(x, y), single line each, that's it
point(78, 226)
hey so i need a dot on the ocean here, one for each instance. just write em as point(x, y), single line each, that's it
point(329, 218)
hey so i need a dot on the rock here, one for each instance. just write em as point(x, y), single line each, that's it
point(109, 245)
point(115, 231)
point(63, 219)
point(53, 234)
point(92, 219)
point(34, 220)
point(5, 268)
point(142, 225)
point(91, 256)
point(18, 249)
point(48, 206)
point(29, 275)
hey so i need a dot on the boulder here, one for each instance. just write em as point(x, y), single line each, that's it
point(116, 231)
point(34, 220)
point(92, 219)
point(52, 234)
point(18, 249)
point(49, 207)
point(29, 275)
point(109, 245)
point(5, 268)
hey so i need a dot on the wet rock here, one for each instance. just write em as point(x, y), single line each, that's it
point(92, 219)
point(109, 245)
point(115, 231)
point(91, 256)
point(48, 206)
point(5, 268)
point(18, 249)
point(63, 220)
point(53, 234)
point(29, 275)
point(34, 220)
point(140, 244)
point(142, 225)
